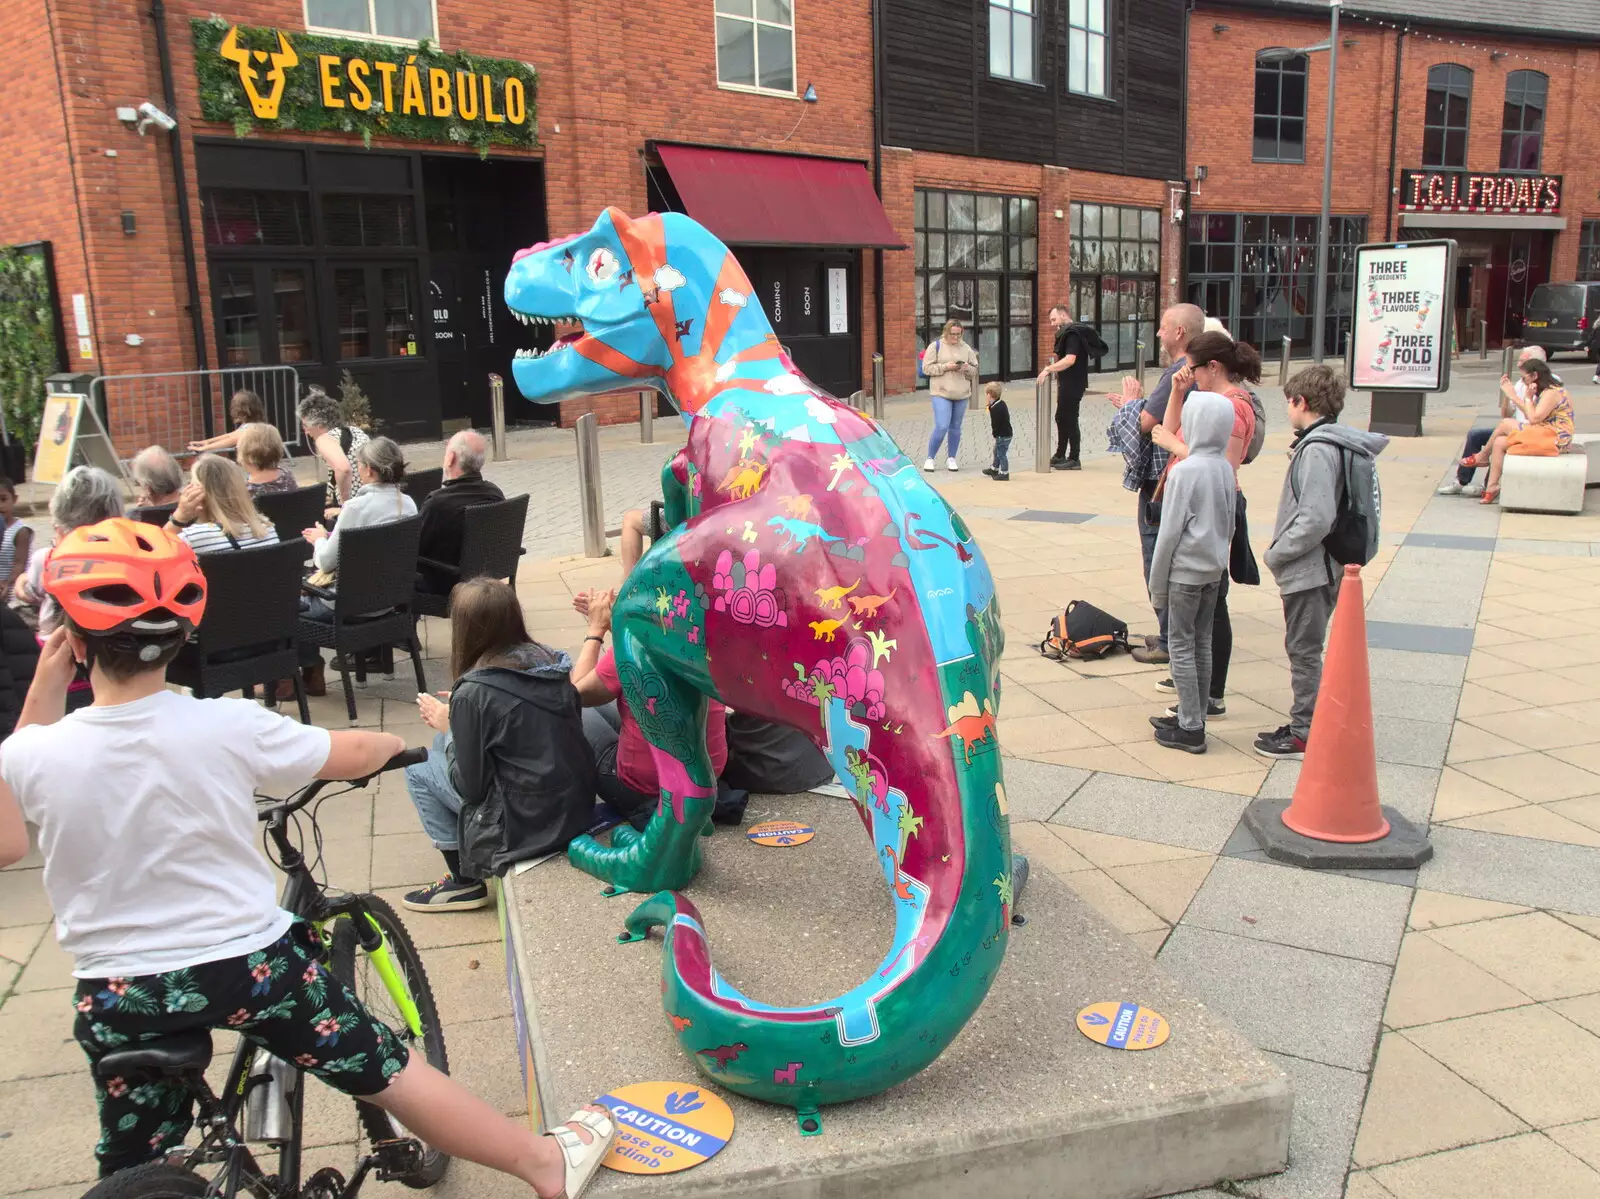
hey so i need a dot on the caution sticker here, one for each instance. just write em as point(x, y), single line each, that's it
point(781, 833)
point(1123, 1025)
point(664, 1127)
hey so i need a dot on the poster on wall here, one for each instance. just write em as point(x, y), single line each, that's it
point(1404, 303)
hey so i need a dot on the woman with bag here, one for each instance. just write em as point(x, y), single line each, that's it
point(1547, 431)
point(1219, 364)
point(952, 367)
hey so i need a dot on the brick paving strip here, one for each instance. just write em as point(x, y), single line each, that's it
point(1441, 1027)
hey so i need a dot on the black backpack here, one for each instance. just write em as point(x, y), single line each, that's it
point(1353, 540)
point(1083, 631)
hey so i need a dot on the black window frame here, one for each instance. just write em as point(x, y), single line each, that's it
point(1299, 65)
point(1589, 252)
point(1511, 135)
point(1013, 15)
point(1443, 78)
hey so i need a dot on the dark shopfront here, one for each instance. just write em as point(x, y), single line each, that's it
point(389, 265)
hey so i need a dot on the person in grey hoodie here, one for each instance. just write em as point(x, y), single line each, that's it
point(1308, 578)
point(1190, 558)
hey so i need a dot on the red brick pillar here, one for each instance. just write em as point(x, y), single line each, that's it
point(899, 273)
point(1055, 272)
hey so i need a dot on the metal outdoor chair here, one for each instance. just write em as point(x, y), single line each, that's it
point(491, 543)
point(293, 512)
point(420, 484)
point(159, 514)
point(249, 634)
point(372, 604)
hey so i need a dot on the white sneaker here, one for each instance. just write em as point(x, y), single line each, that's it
point(951, 463)
point(1450, 488)
point(928, 465)
point(1472, 490)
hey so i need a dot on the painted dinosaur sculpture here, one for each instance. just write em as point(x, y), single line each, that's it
point(782, 502)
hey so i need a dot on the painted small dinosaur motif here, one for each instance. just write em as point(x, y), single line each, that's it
point(724, 1055)
point(915, 539)
point(970, 725)
point(902, 888)
point(746, 478)
point(788, 1075)
point(866, 606)
point(823, 630)
point(881, 645)
point(679, 1023)
point(798, 533)
point(797, 506)
point(833, 597)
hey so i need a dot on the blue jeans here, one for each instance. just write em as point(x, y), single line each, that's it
point(1476, 440)
point(947, 417)
point(433, 795)
point(1002, 455)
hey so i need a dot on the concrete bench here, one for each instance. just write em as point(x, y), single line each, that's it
point(1544, 484)
point(1585, 440)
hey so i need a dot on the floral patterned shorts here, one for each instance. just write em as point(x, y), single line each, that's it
point(281, 997)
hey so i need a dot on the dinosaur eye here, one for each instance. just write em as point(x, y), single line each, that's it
point(603, 265)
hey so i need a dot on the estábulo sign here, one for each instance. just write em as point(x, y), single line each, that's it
point(1473, 191)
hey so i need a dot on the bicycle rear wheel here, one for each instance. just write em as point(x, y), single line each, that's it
point(155, 1181)
point(356, 971)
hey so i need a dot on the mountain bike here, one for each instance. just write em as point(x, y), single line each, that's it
point(367, 948)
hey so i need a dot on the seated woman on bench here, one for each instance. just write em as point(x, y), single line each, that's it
point(1547, 424)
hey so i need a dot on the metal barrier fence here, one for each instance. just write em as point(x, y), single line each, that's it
point(168, 405)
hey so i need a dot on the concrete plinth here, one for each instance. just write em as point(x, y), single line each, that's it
point(1397, 413)
point(1405, 847)
point(1020, 1105)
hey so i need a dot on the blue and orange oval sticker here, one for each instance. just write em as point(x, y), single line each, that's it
point(664, 1127)
point(780, 833)
point(1123, 1025)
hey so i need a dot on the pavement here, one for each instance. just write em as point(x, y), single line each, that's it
point(1441, 1026)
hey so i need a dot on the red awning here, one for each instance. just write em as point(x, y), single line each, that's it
point(753, 199)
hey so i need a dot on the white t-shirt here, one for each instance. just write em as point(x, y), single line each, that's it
point(148, 826)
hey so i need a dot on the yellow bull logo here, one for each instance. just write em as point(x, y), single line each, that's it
point(263, 103)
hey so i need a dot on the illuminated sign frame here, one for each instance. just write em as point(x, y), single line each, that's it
point(1489, 192)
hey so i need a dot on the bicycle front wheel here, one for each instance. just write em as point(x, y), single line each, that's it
point(155, 1181)
point(355, 969)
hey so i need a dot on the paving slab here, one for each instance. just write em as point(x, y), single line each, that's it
point(1286, 1000)
point(1519, 870)
point(1037, 790)
point(1192, 817)
point(1440, 670)
point(1410, 742)
point(1327, 1111)
point(1419, 638)
point(1409, 790)
point(1006, 1113)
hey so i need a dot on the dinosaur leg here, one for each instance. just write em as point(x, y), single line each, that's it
point(666, 684)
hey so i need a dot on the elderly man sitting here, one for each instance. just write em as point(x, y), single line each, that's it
point(157, 478)
point(464, 487)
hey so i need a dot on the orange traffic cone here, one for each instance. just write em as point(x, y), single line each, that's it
point(1335, 821)
point(1336, 798)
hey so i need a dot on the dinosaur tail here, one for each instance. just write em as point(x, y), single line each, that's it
point(951, 884)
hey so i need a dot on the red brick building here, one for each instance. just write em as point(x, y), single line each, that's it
point(1454, 118)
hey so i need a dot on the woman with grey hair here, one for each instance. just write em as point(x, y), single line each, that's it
point(86, 496)
point(334, 442)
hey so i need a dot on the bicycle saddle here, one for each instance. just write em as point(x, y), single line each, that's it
point(170, 1055)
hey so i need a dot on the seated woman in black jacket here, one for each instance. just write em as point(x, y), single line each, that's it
point(510, 776)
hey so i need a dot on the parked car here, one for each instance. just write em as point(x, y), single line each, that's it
point(1564, 316)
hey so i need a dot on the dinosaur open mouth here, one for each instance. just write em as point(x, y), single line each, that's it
point(565, 341)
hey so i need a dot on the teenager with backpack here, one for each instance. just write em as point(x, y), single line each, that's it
point(1328, 517)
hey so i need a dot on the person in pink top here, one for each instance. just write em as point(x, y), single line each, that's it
point(1218, 364)
point(628, 773)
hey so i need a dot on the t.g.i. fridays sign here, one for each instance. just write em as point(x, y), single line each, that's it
point(266, 77)
point(1399, 339)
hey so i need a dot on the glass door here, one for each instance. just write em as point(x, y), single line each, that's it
point(265, 313)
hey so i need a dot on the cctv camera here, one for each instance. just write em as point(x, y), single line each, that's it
point(149, 113)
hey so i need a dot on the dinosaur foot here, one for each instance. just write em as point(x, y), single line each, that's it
point(810, 1122)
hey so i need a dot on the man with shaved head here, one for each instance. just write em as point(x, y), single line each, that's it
point(1180, 324)
point(464, 486)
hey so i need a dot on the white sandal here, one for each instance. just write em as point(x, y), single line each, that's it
point(582, 1158)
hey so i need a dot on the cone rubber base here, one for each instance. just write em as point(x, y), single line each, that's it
point(1406, 845)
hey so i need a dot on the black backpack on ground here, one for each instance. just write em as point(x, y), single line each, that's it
point(1083, 631)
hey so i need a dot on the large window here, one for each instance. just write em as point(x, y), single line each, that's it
point(755, 44)
point(1589, 253)
point(1257, 274)
point(1011, 39)
point(1444, 122)
point(399, 20)
point(1115, 258)
point(1280, 124)
point(1522, 129)
point(1087, 37)
point(976, 259)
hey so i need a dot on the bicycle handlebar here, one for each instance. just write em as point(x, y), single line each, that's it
point(410, 756)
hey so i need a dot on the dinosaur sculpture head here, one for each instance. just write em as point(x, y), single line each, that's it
point(660, 301)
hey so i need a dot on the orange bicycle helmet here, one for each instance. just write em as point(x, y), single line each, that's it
point(122, 577)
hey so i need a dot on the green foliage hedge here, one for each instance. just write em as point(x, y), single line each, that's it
point(27, 339)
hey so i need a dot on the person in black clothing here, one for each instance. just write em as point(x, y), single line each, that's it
point(1072, 365)
point(1000, 428)
point(464, 487)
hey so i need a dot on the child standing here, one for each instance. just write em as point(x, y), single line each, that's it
point(1000, 427)
point(1190, 558)
point(15, 542)
point(1308, 577)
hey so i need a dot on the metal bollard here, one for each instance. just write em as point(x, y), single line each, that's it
point(590, 507)
point(1508, 356)
point(1139, 349)
point(497, 414)
point(857, 400)
point(647, 417)
point(877, 387)
point(1042, 422)
point(1283, 360)
point(1483, 340)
